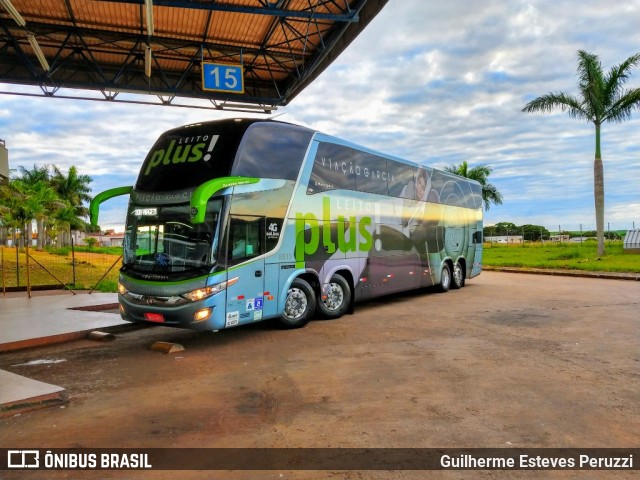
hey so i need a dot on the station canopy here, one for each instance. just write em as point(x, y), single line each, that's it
point(237, 54)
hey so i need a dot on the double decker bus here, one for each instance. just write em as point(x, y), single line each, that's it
point(236, 221)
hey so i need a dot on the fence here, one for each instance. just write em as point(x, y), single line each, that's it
point(561, 233)
point(72, 268)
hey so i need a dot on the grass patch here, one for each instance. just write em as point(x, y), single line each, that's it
point(566, 256)
point(571, 256)
point(51, 268)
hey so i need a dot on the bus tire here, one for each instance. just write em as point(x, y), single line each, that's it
point(457, 279)
point(338, 298)
point(445, 278)
point(299, 305)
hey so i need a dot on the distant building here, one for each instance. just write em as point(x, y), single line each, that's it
point(559, 238)
point(504, 239)
point(78, 237)
point(632, 241)
point(4, 163)
point(582, 239)
point(108, 239)
point(114, 240)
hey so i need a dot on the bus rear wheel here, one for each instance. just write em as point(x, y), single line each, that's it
point(335, 299)
point(299, 305)
point(445, 278)
point(457, 281)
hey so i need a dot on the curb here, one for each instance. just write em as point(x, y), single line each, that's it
point(21, 394)
point(566, 273)
point(66, 337)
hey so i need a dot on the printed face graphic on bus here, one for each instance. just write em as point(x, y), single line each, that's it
point(421, 185)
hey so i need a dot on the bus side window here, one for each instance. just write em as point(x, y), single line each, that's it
point(246, 238)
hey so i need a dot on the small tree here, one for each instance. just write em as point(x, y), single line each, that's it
point(534, 233)
point(91, 242)
point(505, 228)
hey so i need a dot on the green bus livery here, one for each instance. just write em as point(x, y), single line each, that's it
point(236, 221)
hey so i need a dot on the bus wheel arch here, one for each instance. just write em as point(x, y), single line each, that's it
point(300, 304)
point(458, 275)
point(336, 298)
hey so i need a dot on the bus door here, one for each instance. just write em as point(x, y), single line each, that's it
point(245, 244)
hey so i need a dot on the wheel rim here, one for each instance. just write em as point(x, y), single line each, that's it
point(446, 278)
point(296, 304)
point(334, 297)
point(457, 274)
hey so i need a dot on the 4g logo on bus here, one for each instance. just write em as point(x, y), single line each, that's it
point(322, 234)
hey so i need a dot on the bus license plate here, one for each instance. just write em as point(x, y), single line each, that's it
point(154, 317)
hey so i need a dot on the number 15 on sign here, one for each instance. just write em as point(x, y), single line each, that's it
point(220, 77)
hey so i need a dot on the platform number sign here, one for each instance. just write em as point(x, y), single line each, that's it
point(220, 77)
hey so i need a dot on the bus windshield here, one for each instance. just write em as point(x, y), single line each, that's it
point(161, 241)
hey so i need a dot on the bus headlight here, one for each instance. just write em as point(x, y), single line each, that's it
point(205, 292)
point(121, 289)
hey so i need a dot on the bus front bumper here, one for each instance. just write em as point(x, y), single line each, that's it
point(200, 315)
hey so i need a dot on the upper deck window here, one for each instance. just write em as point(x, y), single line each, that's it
point(272, 150)
point(185, 157)
point(338, 167)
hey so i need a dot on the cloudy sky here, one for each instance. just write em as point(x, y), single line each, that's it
point(431, 81)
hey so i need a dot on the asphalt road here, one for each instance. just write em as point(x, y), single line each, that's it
point(511, 360)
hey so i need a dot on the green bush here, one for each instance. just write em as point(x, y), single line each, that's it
point(62, 251)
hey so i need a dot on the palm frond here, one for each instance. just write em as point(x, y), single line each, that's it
point(480, 173)
point(567, 103)
point(490, 194)
point(623, 107)
point(591, 84)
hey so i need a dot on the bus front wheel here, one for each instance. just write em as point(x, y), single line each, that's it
point(445, 278)
point(335, 299)
point(299, 305)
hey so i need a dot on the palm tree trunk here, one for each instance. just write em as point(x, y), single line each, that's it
point(40, 227)
point(598, 193)
point(28, 237)
point(23, 227)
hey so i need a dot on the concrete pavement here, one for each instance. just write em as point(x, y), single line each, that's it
point(46, 318)
point(53, 316)
point(57, 316)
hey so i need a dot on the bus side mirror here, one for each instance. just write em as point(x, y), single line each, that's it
point(204, 192)
point(94, 207)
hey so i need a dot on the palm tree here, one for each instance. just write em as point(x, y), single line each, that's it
point(42, 201)
point(41, 196)
point(602, 99)
point(11, 213)
point(490, 193)
point(16, 208)
point(74, 190)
